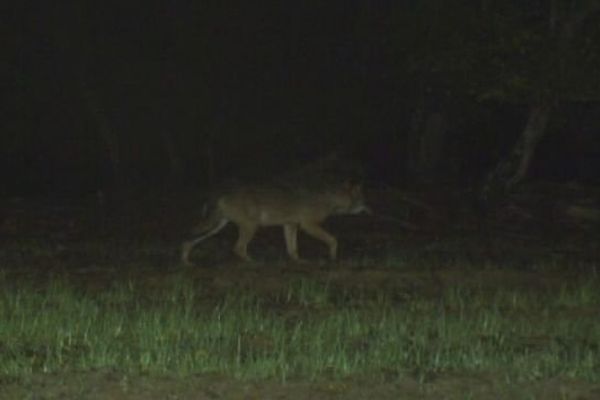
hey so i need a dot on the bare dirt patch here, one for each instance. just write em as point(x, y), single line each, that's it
point(110, 385)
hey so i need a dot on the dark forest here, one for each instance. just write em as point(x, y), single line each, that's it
point(192, 93)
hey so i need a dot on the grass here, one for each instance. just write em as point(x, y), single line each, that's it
point(308, 330)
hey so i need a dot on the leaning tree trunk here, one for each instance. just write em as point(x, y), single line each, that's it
point(527, 143)
point(512, 169)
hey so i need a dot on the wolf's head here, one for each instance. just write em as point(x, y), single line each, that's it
point(348, 198)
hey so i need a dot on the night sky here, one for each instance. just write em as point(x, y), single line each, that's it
point(264, 87)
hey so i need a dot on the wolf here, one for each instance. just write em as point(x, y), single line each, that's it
point(252, 207)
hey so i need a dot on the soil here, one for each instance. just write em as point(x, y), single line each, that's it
point(46, 237)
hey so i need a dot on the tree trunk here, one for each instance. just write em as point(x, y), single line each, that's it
point(527, 143)
point(414, 133)
point(106, 133)
point(425, 141)
point(175, 162)
point(209, 160)
point(512, 169)
point(431, 146)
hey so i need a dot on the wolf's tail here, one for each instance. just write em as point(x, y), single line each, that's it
point(210, 217)
point(213, 222)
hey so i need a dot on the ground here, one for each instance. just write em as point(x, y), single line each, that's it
point(94, 248)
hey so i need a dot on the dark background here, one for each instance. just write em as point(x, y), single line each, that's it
point(189, 93)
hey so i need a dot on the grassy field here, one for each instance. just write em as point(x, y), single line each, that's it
point(114, 318)
point(307, 330)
